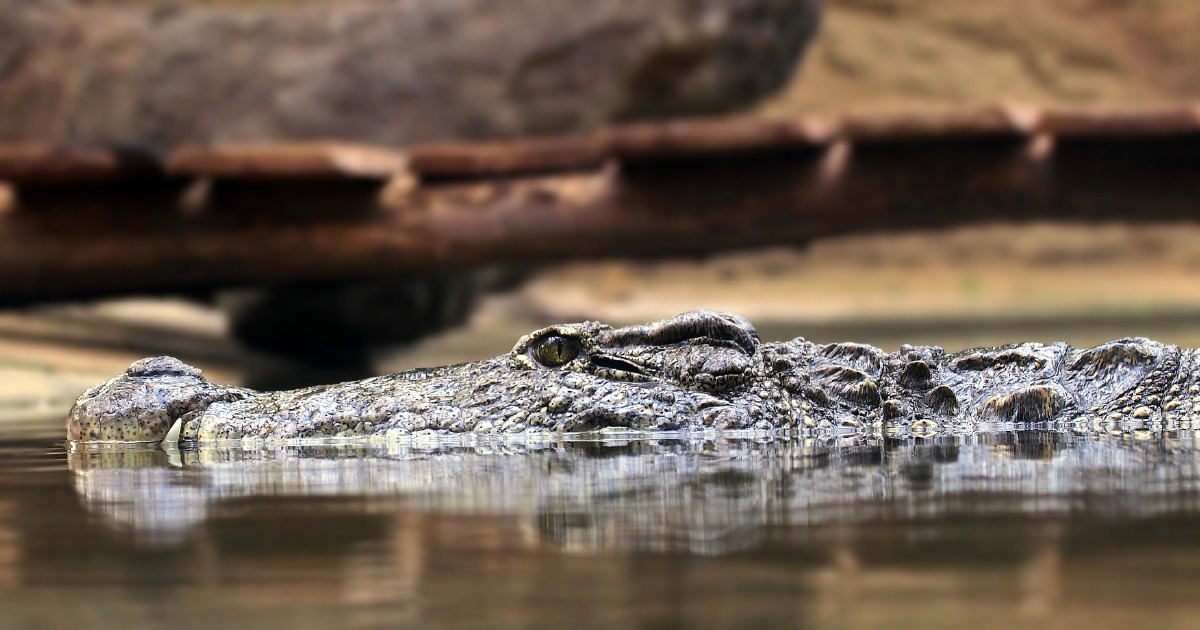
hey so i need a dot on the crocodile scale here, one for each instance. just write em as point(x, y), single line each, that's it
point(696, 371)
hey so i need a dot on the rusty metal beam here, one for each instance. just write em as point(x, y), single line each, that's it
point(37, 164)
point(670, 193)
point(301, 160)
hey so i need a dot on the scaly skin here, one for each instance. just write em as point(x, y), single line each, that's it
point(696, 371)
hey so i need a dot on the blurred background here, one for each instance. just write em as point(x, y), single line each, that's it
point(286, 192)
point(211, 179)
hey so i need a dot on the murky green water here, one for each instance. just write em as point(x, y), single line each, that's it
point(1033, 527)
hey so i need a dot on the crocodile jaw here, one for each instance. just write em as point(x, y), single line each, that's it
point(490, 397)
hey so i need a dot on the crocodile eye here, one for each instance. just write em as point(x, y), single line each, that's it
point(556, 350)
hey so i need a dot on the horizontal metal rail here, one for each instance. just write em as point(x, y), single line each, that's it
point(92, 222)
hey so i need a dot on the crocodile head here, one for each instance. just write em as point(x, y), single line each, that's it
point(691, 371)
point(684, 372)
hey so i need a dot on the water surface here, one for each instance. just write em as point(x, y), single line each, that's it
point(1020, 527)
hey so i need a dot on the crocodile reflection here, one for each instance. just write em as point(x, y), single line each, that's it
point(694, 495)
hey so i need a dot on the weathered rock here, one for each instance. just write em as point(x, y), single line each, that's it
point(157, 72)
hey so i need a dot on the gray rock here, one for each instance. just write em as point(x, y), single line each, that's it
point(394, 72)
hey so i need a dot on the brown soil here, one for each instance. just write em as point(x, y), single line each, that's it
point(884, 53)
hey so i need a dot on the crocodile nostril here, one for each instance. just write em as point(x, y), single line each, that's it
point(162, 366)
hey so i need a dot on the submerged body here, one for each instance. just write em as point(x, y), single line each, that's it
point(696, 371)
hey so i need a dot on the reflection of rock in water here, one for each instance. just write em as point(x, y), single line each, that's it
point(698, 495)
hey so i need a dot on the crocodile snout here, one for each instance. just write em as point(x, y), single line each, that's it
point(142, 404)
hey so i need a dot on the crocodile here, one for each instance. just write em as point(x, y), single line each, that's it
point(697, 371)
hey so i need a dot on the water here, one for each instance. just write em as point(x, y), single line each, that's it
point(1032, 527)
